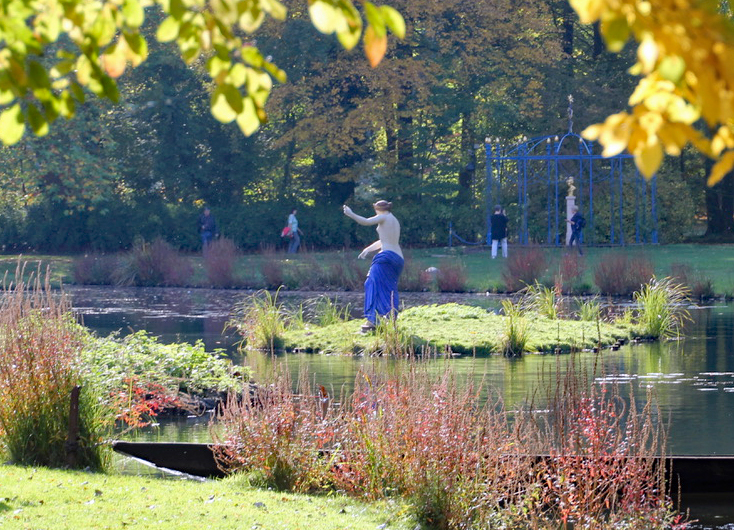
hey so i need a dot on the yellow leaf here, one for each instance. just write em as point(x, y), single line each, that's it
point(12, 125)
point(647, 53)
point(588, 10)
point(323, 15)
point(394, 21)
point(374, 46)
point(221, 108)
point(721, 168)
point(248, 120)
point(649, 157)
point(113, 61)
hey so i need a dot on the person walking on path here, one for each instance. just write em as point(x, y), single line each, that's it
point(577, 222)
point(381, 286)
point(295, 233)
point(207, 228)
point(498, 232)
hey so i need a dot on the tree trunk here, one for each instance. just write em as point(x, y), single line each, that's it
point(468, 161)
point(720, 207)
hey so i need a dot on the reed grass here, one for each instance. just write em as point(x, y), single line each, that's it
point(515, 337)
point(436, 440)
point(662, 307)
point(40, 363)
point(543, 300)
point(590, 309)
point(261, 320)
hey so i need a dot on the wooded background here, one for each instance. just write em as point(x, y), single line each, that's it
point(411, 131)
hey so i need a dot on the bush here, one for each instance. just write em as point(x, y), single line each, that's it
point(620, 274)
point(463, 461)
point(154, 264)
point(95, 269)
point(524, 267)
point(220, 259)
point(260, 319)
point(451, 277)
point(699, 286)
point(571, 270)
point(40, 352)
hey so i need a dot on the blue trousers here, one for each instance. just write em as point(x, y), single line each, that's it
point(381, 287)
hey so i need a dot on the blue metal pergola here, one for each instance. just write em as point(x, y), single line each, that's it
point(537, 170)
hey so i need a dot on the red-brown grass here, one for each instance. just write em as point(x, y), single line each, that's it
point(436, 440)
point(40, 353)
point(451, 277)
point(620, 274)
point(524, 266)
point(154, 264)
point(220, 259)
point(95, 269)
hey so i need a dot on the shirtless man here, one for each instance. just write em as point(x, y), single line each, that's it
point(381, 287)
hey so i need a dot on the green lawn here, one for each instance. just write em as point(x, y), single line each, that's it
point(714, 262)
point(53, 499)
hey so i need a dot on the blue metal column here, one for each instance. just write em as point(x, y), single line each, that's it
point(489, 169)
point(621, 201)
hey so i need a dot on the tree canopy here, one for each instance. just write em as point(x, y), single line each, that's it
point(686, 91)
point(53, 51)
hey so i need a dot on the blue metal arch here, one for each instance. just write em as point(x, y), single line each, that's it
point(530, 164)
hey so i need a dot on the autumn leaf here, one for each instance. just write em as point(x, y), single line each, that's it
point(374, 46)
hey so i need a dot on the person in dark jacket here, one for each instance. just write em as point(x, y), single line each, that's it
point(577, 223)
point(498, 231)
point(207, 228)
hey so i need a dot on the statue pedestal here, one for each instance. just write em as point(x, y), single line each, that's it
point(570, 203)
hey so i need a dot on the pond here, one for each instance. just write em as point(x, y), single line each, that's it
point(693, 378)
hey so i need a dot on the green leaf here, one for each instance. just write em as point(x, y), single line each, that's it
point(616, 33)
point(248, 121)
point(374, 19)
point(62, 68)
point(67, 107)
point(394, 21)
point(237, 74)
point(38, 75)
point(220, 107)
point(6, 96)
point(109, 88)
point(277, 10)
point(323, 16)
point(133, 12)
point(37, 121)
point(252, 56)
point(672, 68)
point(12, 125)
point(276, 72)
point(78, 92)
point(168, 30)
point(177, 9)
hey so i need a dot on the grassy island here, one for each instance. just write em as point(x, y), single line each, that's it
point(459, 329)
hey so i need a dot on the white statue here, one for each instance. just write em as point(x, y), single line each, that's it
point(571, 187)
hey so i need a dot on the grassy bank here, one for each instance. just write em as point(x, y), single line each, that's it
point(44, 498)
point(460, 329)
point(471, 268)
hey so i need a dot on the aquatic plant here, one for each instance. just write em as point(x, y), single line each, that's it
point(40, 365)
point(515, 334)
point(589, 309)
point(662, 307)
point(435, 439)
point(326, 311)
point(543, 300)
point(260, 320)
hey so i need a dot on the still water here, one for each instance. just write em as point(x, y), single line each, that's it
point(693, 378)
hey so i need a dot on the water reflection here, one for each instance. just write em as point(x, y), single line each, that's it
point(693, 378)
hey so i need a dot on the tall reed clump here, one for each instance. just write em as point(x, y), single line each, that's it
point(514, 340)
point(662, 307)
point(260, 320)
point(699, 285)
point(620, 274)
point(571, 270)
point(545, 301)
point(523, 267)
point(280, 438)
point(602, 469)
point(95, 269)
point(436, 440)
point(154, 264)
point(40, 351)
point(451, 277)
point(220, 259)
point(589, 310)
